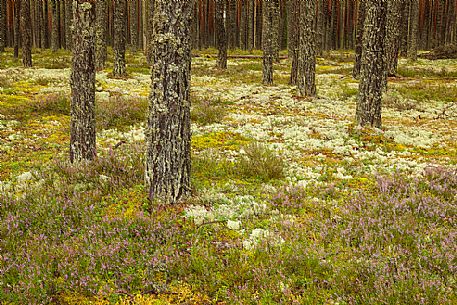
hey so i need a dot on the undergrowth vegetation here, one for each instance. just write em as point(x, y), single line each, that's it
point(291, 202)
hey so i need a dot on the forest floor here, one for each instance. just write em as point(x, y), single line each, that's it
point(292, 203)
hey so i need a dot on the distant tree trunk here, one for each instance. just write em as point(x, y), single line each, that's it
point(404, 27)
point(17, 32)
point(359, 38)
point(55, 26)
point(268, 41)
point(26, 29)
point(393, 35)
point(275, 28)
point(150, 30)
point(414, 24)
point(83, 136)
point(250, 25)
point(320, 27)
point(134, 25)
point(373, 69)
point(120, 14)
point(294, 34)
point(44, 28)
point(68, 21)
point(168, 134)
point(100, 34)
point(231, 23)
point(306, 79)
point(221, 35)
point(2, 25)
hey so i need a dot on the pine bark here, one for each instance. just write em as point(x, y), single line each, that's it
point(268, 41)
point(44, 28)
point(168, 134)
point(2, 25)
point(120, 14)
point(231, 23)
point(306, 79)
point(414, 25)
point(373, 69)
point(55, 26)
point(359, 38)
point(275, 28)
point(17, 23)
point(134, 25)
point(100, 34)
point(83, 136)
point(26, 33)
point(68, 22)
point(250, 25)
point(150, 30)
point(221, 35)
point(393, 35)
point(294, 34)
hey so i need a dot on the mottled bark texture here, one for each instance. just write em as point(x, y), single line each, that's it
point(221, 35)
point(17, 23)
point(275, 28)
point(268, 40)
point(361, 13)
point(250, 25)
point(55, 26)
point(120, 21)
point(2, 25)
point(44, 28)
point(134, 24)
point(393, 35)
point(168, 133)
point(82, 81)
point(26, 33)
point(100, 34)
point(373, 69)
point(294, 34)
point(414, 27)
point(306, 80)
point(150, 30)
point(68, 21)
point(231, 23)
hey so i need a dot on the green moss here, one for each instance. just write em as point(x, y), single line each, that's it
point(219, 140)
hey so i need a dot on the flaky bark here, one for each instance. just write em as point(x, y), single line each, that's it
point(82, 138)
point(373, 69)
point(268, 40)
point(359, 38)
point(100, 34)
point(393, 35)
point(306, 79)
point(120, 15)
point(221, 35)
point(150, 30)
point(26, 33)
point(168, 132)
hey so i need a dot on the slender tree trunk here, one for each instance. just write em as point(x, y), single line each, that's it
point(168, 135)
point(68, 21)
point(414, 24)
point(393, 35)
point(294, 33)
point(404, 28)
point(120, 14)
point(83, 136)
point(45, 28)
point(2, 25)
point(100, 34)
point(26, 29)
point(55, 26)
point(17, 23)
point(359, 38)
point(306, 79)
point(373, 71)
point(221, 35)
point(231, 23)
point(268, 41)
point(134, 25)
point(275, 28)
point(250, 25)
point(150, 30)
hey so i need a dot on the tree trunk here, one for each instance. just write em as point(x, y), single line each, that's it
point(221, 35)
point(17, 32)
point(250, 25)
point(294, 32)
point(83, 137)
point(55, 27)
point(306, 79)
point(26, 30)
point(373, 70)
point(414, 25)
point(268, 41)
point(44, 28)
point(68, 22)
point(231, 23)
point(168, 135)
point(134, 25)
point(275, 28)
point(2, 25)
point(150, 30)
point(120, 14)
point(359, 38)
point(393, 35)
point(100, 34)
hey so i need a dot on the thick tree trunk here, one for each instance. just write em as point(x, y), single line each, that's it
point(55, 26)
point(100, 34)
point(134, 25)
point(414, 25)
point(26, 30)
point(306, 79)
point(359, 38)
point(2, 25)
point(168, 134)
point(373, 70)
point(17, 23)
point(393, 35)
point(83, 138)
point(120, 14)
point(221, 35)
point(268, 40)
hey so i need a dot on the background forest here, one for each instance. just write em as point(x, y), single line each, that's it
point(228, 152)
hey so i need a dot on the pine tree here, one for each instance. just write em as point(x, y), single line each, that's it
point(26, 30)
point(134, 24)
point(2, 25)
point(361, 13)
point(168, 132)
point(100, 34)
point(120, 22)
point(55, 26)
point(68, 20)
point(373, 69)
point(393, 35)
point(221, 35)
point(268, 40)
point(17, 23)
point(83, 137)
point(414, 20)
